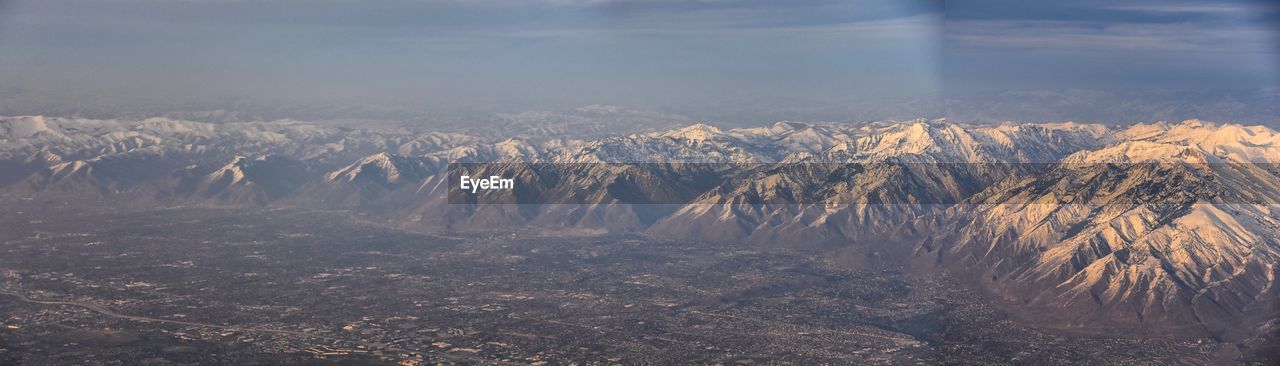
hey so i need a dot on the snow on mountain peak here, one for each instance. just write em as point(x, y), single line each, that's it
point(694, 132)
point(76, 167)
point(1230, 141)
point(382, 167)
point(939, 139)
point(788, 125)
point(22, 127)
point(233, 172)
point(1137, 152)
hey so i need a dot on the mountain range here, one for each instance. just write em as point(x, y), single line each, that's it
point(1165, 227)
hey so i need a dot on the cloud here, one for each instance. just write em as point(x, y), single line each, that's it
point(1202, 8)
point(1110, 46)
point(1129, 38)
point(919, 28)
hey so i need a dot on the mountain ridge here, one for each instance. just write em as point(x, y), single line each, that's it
point(1156, 226)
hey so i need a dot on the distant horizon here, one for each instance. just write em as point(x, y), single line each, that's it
point(736, 62)
point(657, 123)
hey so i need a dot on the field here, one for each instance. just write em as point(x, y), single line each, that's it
point(208, 286)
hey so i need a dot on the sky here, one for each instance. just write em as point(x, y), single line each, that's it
point(1121, 61)
point(1108, 44)
point(729, 61)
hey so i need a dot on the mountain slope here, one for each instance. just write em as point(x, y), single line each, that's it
point(381, 179)
point(1164, 235)
point(241, 181)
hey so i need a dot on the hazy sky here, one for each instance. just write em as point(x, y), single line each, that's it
point(753, 60)
point(1113, 61)
point(652, 53)
point(1107, 44)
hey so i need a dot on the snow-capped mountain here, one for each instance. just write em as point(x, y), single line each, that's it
point(1175, 227)
point(872, 179)
point(1169, 227)
point(376, 179)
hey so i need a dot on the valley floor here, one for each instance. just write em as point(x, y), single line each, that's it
point(204, 286)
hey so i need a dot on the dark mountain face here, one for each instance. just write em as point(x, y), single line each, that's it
point(240, 181)
point(1167, 228)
